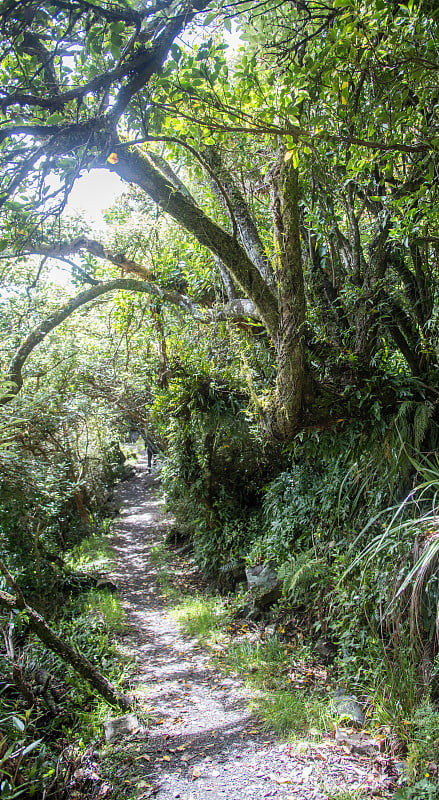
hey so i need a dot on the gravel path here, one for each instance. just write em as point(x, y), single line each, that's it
point(204, 742)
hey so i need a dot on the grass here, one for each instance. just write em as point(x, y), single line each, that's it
point(265, 665)
point(295, 713)
point(106, 606)
point(92, 553)
point(206, 618)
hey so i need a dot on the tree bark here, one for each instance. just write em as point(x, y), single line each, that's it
point(248, 232)
point(292, 376)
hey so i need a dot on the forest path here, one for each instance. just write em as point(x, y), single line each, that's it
point(204, 742)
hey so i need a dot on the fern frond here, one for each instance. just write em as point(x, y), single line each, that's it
point(421, 422)
point(299, 573)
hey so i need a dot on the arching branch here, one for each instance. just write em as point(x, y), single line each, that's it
point(95, 248)
point(14, 376)
point(136, 168)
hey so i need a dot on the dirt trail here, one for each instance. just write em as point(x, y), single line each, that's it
point(204, 742)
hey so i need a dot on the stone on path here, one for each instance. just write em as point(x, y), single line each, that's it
point(120, 726)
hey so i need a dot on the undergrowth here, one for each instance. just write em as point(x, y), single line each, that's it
point(66, 712)
point(206, 618)
point(265, 665)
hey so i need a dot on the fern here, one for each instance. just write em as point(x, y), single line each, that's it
point(421, 422)
point(300, 572)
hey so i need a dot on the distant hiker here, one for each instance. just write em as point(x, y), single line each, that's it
point(150, 456)
point(151, 451)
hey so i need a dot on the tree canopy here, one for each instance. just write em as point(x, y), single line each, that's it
point(314, 147)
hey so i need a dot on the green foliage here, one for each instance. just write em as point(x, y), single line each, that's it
point(292, 713)
point(346, 794)
point(31, 736)
point(266, 666)
point(412, 530)
point(92, 553)
point(26, 763)
point(424, 745)
point(106, 606)
point(421, 790)
point(214, 469)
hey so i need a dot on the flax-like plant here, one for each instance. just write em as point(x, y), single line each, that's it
point(416, 519)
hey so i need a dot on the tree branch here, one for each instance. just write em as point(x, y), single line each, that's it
point(234, 311)
point(74, 658)
point(138, 169)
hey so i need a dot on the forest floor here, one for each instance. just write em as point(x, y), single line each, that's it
point(199, 738)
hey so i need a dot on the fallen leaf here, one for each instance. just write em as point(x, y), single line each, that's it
point(196, 773)
point(306, 773)
point(279, 779)
point(166, 758)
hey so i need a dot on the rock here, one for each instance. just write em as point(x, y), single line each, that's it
point(232, 573)
point(106, 583)
point(264, 585)
point(120, 726)
point(325, 649)
point(358, 743)
point(348, 707)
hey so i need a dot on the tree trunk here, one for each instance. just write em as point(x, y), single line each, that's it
point(292, 378)
point(76, 660)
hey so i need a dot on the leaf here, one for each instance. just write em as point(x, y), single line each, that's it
point(112, 158)
point(280, 779)
point(54, 118)
point(196, 773)
point(18, 723)
point(31, 747)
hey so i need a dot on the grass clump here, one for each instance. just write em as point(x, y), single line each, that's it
point(293, 712)
point(267, 666)
point(203, 617)
point(92, 553)
point(106, 606)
